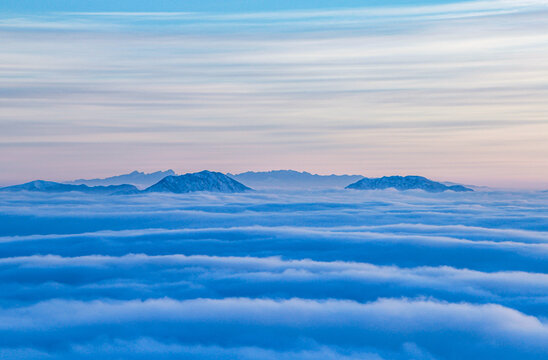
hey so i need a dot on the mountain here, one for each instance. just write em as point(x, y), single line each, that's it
point(404, 183)
point(293, 179)
point(55, 187)
point(472, 187)
point(201, 181)
point(137, 178)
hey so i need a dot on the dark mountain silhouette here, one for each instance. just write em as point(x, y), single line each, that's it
point(201, 181)
point(55, 187)
point(404, 183)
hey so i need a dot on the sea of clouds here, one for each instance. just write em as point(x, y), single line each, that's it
point(334, 274)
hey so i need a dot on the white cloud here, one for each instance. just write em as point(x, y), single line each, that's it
point(274, 275)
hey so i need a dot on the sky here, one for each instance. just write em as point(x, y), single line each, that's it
point(453, 91)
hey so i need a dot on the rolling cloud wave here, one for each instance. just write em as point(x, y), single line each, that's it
point(308, 275)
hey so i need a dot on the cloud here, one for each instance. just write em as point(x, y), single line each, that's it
point(147, 347)
point(274, 274)
point(286, 324)
point(200, 275)
point(420, 228)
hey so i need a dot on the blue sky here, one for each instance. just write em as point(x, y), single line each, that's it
point(37, 6)
point(449, 90)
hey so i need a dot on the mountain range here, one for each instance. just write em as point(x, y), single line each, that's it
point(139, 179)
point(293, 179)
point(201, 181)
point(287, 179)
point(402, 183)
point(54, 187)
point(218, 182)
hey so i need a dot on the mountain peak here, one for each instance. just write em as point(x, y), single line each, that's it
point(201, 181)
point(404, 183)
point(55, 187)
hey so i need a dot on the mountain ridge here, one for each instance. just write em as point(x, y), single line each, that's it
point(219, 182)
point(56, 187)
point(201, 181)
point(137, 178)
point(402, 183)
point(293, 179)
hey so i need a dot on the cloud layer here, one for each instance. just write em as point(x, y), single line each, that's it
point(264, 275)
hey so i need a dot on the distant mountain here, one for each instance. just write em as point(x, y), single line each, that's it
point(137, 178)
point(473, 187)
point(201, 181)
point(404, 183)
point(293, 179)
point(55, 187)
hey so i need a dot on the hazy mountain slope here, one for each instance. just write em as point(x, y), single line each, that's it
point(293, 179)
point(137, 178)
